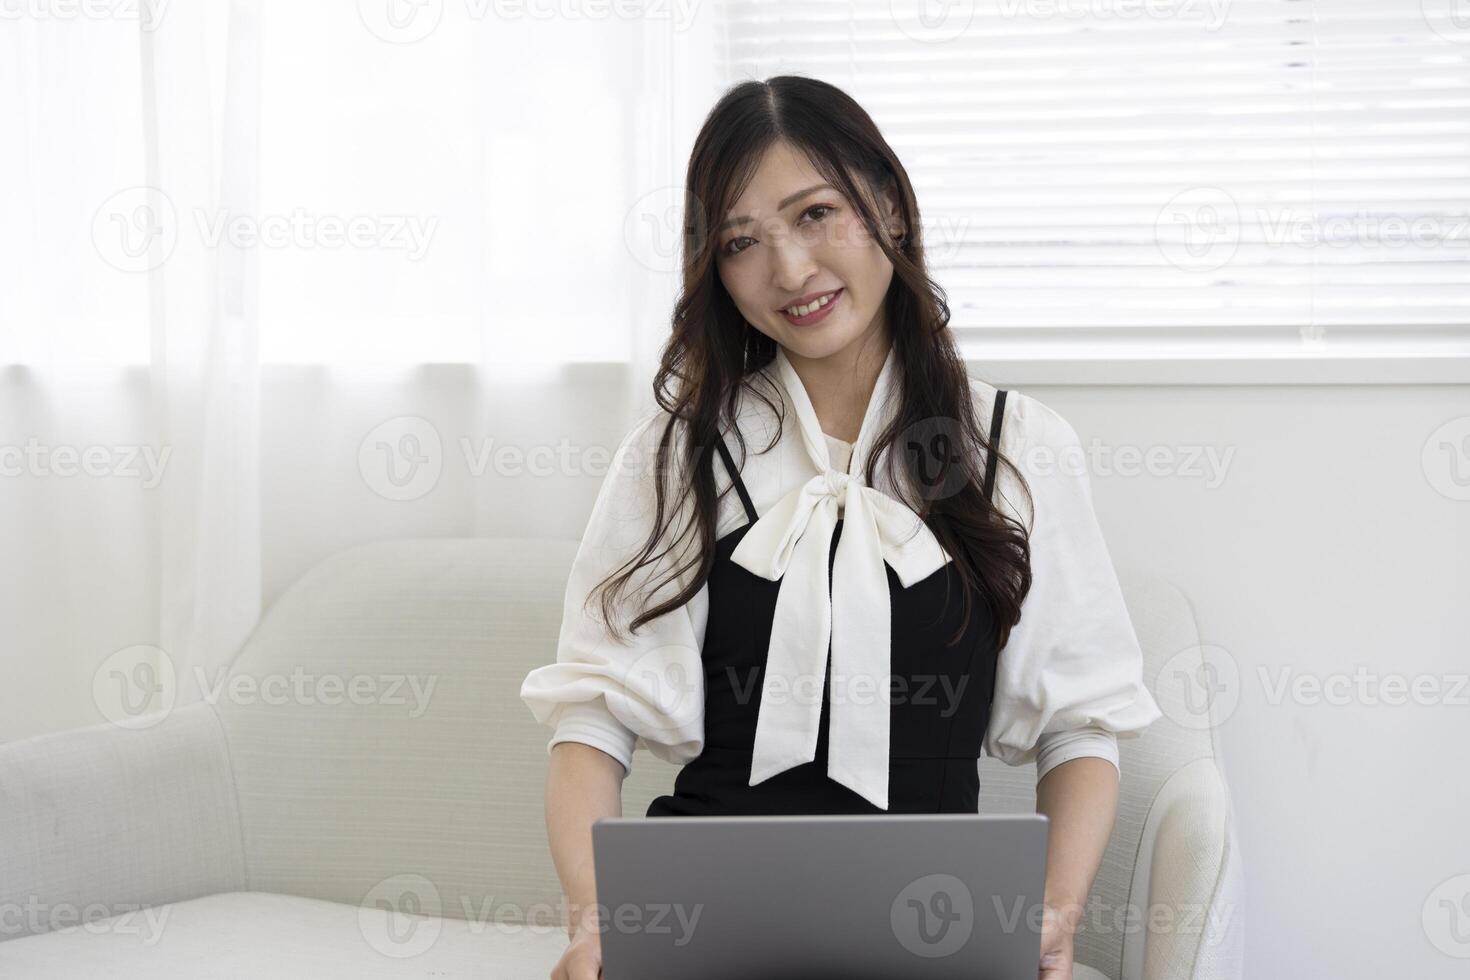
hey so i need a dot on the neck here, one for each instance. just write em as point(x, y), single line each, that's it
point(841, 384)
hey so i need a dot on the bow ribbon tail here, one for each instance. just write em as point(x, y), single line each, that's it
point(857, 752)
point(786, 726)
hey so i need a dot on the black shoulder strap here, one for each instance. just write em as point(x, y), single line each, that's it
point(996, 417)
point(735, 479)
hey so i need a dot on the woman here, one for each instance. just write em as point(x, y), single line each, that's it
point(844, 618)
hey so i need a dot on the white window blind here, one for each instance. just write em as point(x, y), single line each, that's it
point(1181, 175)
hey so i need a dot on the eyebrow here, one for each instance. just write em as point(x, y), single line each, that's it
point(780, 207)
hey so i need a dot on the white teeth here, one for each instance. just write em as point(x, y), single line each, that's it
point(810, 307)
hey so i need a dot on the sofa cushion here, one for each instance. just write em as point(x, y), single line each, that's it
point(256, 934)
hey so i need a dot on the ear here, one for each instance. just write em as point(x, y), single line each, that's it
point(892, 216)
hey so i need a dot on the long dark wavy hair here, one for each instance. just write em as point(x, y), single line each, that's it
point(712, 353)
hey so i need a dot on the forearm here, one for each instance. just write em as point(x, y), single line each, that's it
point(583, 784)
point(1080, 799)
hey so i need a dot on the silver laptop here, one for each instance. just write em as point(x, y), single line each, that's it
point(896, 897)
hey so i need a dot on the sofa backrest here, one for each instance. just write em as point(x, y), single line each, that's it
point(1172, 654)
point(410, 771)
point(425, 789)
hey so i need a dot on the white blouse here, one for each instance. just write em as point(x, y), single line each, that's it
point(1069, 680)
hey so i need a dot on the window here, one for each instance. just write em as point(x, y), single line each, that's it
point(1116, 177)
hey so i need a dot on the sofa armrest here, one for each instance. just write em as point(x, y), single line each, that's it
point(103, 820)
point(1186, 883)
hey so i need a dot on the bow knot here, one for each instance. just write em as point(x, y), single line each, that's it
point(835, 485)
point(791, 543)
point(846, 615)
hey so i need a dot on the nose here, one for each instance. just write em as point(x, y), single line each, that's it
point(792, 266)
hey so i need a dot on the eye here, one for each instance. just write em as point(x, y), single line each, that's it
point(729, 247)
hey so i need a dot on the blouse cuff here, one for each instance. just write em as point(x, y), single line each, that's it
point(1054, 748)
point(590, 723)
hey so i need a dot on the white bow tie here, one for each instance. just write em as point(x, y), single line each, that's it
point(791, 542)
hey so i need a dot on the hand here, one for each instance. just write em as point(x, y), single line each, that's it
point(582, 959)
point(1057, 925)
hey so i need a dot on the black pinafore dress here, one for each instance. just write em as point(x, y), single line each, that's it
point(940, 694)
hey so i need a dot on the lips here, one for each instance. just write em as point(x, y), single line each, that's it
point(819, 314)
point(807, 299)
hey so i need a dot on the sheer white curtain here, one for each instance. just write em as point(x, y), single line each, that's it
point(132, 496)
point(201, 138)
point(249, 248)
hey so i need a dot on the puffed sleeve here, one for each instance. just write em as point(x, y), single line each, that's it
point(649, 688)
point(1070, 678)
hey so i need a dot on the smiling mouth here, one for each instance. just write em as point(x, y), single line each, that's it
point(813, 311)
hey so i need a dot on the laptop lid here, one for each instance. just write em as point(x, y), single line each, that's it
point(911, 896)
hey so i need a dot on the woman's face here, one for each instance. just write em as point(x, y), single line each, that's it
point(791, 239)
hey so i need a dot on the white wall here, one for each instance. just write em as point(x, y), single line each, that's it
point(1324, 547)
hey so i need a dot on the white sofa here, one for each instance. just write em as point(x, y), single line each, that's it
point(405, 837)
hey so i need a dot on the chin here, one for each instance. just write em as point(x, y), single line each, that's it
point(821, 342)
point(811, 347)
